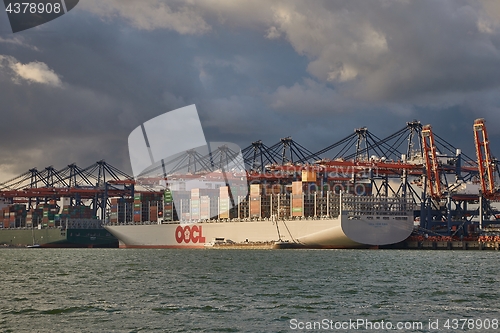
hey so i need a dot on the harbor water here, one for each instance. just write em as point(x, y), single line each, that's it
point(116, 290)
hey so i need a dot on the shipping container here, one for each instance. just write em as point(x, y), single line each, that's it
point(195, 193)
point(224, 191)
point(167, 196)
point(255, 189)
point(297, 188)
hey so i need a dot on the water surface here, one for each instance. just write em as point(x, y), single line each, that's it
point(127, 290)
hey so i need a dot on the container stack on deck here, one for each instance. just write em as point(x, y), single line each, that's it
point(203, 204)
point(146, 207)
point(205, 207)
point(137, 207)
point(239, 195)
point(198, 204)
point(195, 204)
point(76, 212)
point(224, 203)
point(267, 198)
point(13, 216)
point(297, 199)
point(49, 211)
point(121, 210)
point(5, 218)
point(154, 207)
point(34, 217)
point(168, 207)
point(181, 205)
point(44, 215)
point(255, 200)
point(309, 181)
point(113, 216)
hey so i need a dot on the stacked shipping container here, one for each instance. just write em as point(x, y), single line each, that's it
point(195, 204)
point(121, 210)
point(224, 202)
point(297, 199)
point(255, 200)
point(137, 207)
point(203, 204)
point(146, 207)
point(76, 212)
point(45, 215)
point(34, 217)
point(13, 216)
point(168, 206)
point(49, 211)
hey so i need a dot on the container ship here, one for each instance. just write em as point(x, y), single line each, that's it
point(203, 218)
point(51, 226)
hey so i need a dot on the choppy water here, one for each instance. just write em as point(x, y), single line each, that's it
point(114, 290)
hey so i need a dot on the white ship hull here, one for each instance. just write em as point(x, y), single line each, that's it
point(342, 232)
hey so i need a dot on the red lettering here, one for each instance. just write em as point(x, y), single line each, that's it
point(195, 234)
point(189, 234)
point(179, 234)
point(201, 239)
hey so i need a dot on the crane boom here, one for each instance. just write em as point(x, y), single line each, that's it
point(431, 162)
point(484, 159)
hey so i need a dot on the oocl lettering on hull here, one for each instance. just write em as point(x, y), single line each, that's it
point(189, 234)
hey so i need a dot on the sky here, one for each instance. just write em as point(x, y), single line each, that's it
point(73, 89)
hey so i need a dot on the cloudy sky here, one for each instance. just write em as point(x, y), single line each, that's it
point(73, 89)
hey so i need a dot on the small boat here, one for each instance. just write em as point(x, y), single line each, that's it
point(287, 245)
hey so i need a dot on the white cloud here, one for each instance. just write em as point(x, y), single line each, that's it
point(273, 33)
point(18, 41)
point(343, 74)
point(36, 71)
point(182, 17)
point(485, 26)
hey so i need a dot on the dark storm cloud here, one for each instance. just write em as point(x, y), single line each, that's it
point(47, 123)
point(111, 82)
point(433, 48)
point(255, 70)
